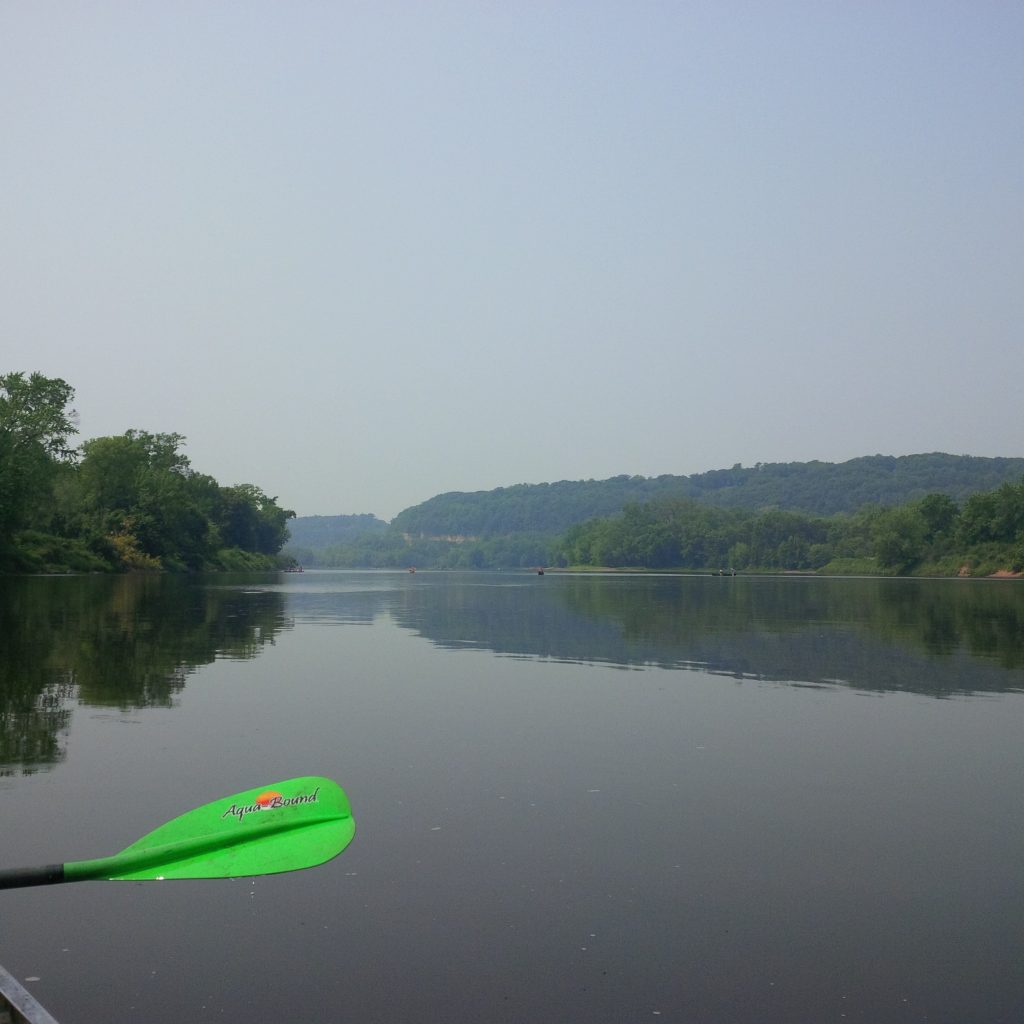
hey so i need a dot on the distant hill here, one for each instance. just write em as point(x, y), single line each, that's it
point(825, 488)
point(318, 532)
point(818, 488)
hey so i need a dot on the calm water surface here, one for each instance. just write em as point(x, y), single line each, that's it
point(579, 799)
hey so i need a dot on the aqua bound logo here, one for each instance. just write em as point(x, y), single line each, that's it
point(271, 800)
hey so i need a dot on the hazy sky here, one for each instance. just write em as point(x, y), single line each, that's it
point(360, 253)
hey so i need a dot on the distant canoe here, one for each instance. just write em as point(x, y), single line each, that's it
point(18, 1005)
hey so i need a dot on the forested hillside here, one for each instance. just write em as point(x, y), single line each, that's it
point(308, 535)
point(929, 514)
point(323, 531)
point(815, 488)
point(532, 508)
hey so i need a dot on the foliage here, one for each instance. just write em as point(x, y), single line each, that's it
point(391, 549)
point(46, 553)
point(129, 502)
point(930, 533)
point(35, 428)
point(237, 560)
point(531, 508)
point(318, 532)
point(813, 488)
point(687, 535)
point(252, 521)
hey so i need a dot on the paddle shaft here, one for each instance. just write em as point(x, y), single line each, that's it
point(16, 878)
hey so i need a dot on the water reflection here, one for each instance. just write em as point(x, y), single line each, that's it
point(131, 642)
point(926, 636)
point(937, 637)
point(124, 642)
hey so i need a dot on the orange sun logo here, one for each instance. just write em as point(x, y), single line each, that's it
point(266, 799)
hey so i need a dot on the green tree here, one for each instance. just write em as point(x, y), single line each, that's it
point(138, 491)
point(900, 538)
point(35, 427)
point(940, 513)
point(996, 516)
point(114, 470)
point(251, 520)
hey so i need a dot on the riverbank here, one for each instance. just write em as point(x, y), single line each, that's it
point(825, 572)
point(36, 553)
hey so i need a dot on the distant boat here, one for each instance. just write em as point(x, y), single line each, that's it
point(540, 571)
point(412, 568)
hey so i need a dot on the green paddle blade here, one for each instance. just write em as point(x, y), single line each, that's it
point(283, 827)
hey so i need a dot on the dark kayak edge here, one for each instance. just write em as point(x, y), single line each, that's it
point(18, 1005)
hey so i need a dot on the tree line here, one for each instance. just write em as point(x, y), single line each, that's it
point(126, 502)
point(933, 535)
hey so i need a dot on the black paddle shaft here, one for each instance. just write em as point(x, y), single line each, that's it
point(15, 878)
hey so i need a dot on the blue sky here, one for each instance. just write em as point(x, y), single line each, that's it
point(363, 253)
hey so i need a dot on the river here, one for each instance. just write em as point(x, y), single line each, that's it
point(579, 798)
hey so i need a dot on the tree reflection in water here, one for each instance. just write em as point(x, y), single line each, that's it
point(131, 642)
point(125, 642)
